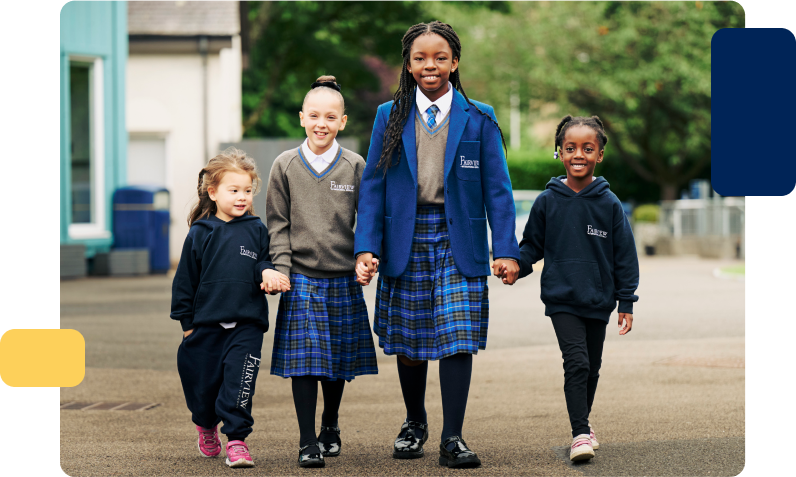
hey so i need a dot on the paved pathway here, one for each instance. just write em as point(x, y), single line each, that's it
point(671, 392)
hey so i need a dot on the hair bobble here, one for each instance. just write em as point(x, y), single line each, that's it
point(328, 84)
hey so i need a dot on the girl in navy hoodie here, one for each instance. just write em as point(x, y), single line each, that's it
point(579, 227)
point(217, 298)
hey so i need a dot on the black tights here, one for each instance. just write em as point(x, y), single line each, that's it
point(581, 343)
point(305, 397)
point(454, 380)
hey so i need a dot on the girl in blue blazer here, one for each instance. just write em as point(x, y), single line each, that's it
point(435, 173)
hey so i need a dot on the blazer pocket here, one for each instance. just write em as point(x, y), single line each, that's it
point(468, 161)
point(387, 240)
point(572, 282)
point(480, 244)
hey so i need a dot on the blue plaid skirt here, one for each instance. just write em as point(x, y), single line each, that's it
point(322, 329)
point(431, 311)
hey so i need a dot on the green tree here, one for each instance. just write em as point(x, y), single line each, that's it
point(292, 43)
point(643, 67)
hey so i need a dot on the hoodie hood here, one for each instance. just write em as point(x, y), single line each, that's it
point(598, 188)
point(213, 221)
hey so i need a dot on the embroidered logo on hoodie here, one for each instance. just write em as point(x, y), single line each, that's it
point(593, 231)
point(248, 253)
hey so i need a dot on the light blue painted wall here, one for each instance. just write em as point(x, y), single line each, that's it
point(96, 29)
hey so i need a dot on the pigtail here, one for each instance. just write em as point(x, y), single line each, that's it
point(604, 138)
point(558, 137)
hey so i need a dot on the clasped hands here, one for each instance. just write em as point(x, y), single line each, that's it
point(274, 282)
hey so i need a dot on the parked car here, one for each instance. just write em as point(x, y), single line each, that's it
point(523, 201)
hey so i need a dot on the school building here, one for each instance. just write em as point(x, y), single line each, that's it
point(93, 135)
point(148, 92)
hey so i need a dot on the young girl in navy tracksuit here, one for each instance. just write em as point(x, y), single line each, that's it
point(217, 298)
point(579, 227)
point(322, 329)
point(435, 173)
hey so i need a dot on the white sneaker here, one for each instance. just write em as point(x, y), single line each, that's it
point(594, 444)
point(581, 448)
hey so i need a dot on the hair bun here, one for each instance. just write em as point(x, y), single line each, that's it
point(327, 81)
point(599, 121)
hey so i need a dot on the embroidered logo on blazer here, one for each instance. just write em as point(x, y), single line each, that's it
point(247, 253)
point(468, 163)
point(598, 233)
point(342, 187)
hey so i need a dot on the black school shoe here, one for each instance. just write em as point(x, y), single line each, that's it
point(306, 459)
point(330, 449)
point(408, 444)
point(460, 456)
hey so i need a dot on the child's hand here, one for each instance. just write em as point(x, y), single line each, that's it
point(186, 333)
point(508, 270)
point(366, 268)
point(274, 282)
point(628, 319)
point(363, 277)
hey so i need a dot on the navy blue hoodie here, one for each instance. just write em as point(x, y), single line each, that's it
point(220, 271)
point(588, 249)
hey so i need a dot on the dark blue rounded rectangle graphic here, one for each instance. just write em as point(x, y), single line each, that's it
point(753, 98)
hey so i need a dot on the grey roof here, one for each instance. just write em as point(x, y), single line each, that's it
point(183, 18)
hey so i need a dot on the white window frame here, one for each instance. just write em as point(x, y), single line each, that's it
point(96, 229)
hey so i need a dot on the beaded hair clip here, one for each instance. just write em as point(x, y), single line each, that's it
point(328, 84)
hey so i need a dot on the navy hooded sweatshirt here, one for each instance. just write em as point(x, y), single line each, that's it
point(220, 271)
point(588, 248)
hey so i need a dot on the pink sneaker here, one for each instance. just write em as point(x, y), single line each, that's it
point(238, 454)
point(208, 443)
point(581, 448)
point(594, 444)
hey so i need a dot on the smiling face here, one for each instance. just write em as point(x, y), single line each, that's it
point(322, 117)
point(580, 153)
point(233, 196)
point(431, 63)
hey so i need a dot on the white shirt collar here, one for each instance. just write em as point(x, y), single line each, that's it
point(443, 103)
point(319, 163)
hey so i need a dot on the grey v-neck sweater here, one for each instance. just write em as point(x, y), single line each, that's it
point(431, 161)
point(311, 216)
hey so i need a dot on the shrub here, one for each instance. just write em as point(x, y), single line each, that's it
point(647, 213)
point(532, 169)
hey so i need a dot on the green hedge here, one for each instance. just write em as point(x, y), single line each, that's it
point(647, 213)
point(532, 169)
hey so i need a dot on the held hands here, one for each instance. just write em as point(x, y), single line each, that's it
point(508, 270)
point(628, 319)
point(274, 282)
point(366, 268)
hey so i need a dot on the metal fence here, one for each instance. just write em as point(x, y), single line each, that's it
point(704, 226)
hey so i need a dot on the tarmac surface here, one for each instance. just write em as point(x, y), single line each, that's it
point(670, 399)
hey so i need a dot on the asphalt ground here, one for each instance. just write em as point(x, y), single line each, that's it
point(670, 399)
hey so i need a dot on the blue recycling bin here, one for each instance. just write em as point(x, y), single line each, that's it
point(141, 220)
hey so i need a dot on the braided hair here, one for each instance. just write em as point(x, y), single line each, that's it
point(593, 122)
point(403, 98)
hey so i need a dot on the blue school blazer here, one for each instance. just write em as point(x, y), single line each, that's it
point(477, 186)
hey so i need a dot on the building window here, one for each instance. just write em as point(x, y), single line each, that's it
point(86, 149)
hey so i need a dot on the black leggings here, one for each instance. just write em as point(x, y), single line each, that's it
point(581, 342)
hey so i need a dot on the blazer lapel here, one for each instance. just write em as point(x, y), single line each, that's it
point(409, 141)
point(458, 120)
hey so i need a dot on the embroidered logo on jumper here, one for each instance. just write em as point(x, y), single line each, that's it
point(342, 187)
point(468, 163)
point(250, 366)
point(248, 253)
point(599, 233)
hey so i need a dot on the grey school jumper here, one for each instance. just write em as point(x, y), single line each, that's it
point(431, 161)
point(311, 215)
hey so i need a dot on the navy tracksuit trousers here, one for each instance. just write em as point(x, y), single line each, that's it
point(218, 369)
point(581, 343)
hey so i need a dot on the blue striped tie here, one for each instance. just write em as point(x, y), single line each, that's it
point(432, 113)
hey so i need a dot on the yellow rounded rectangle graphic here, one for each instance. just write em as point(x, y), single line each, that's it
point(42, 358)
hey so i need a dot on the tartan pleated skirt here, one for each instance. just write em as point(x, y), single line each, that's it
point(322, 329)
point(431, 311)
